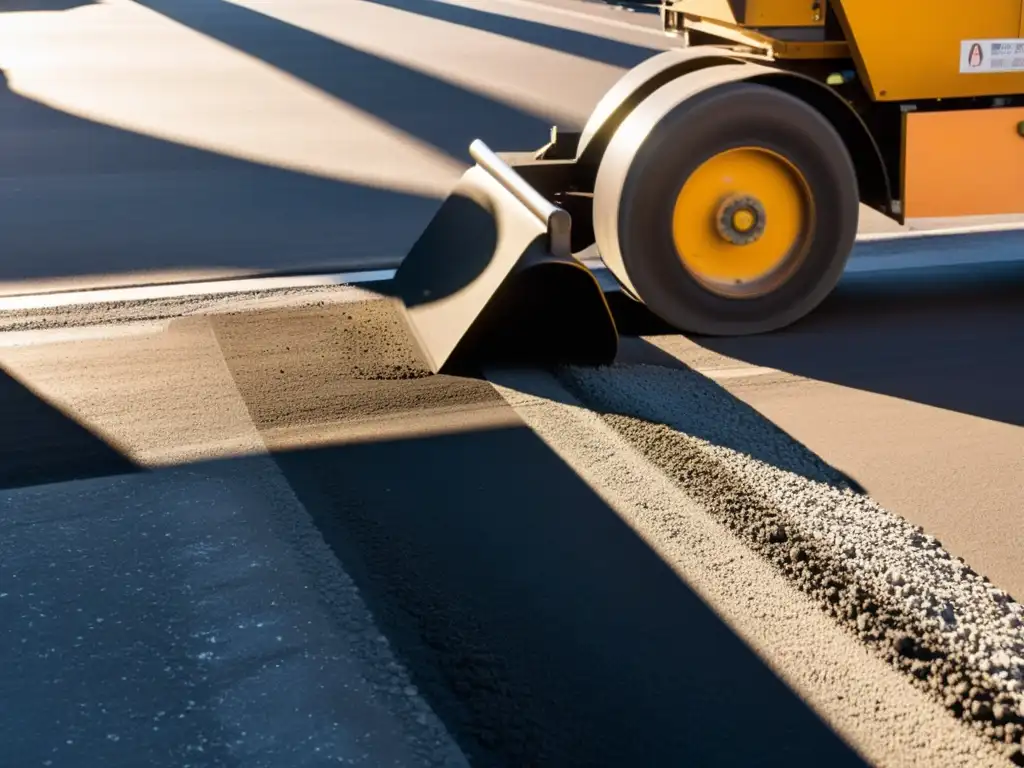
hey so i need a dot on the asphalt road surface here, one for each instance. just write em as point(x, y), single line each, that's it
point(164, 139)
point(904, 383)
point(249, 530)
point(603, 567)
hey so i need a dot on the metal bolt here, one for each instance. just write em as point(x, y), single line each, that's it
point(741, 219)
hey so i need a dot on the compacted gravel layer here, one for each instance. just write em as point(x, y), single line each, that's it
point(929, 614)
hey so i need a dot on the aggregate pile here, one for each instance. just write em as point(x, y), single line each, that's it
point(930, 615)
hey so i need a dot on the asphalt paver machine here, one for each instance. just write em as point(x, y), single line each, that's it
point(721, 181)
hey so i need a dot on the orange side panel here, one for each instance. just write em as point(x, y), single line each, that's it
point(784, 13)
point(911, 49)
point(963, 163)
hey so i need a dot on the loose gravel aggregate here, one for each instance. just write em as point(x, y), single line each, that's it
point(952, 632)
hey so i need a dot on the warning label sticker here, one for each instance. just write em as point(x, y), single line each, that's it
point(988, 56)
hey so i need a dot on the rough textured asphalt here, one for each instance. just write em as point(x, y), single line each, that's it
point(518, 602)
point(155, 140)
point(193, 617)
point(544, 617)
point(929, 614)
point(536, 626)
point(903, 382)
point(851, 687)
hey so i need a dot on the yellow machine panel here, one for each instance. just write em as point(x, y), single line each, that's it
point(784, 13)
point(757, 13)
point(963, 163)
point(935, 49)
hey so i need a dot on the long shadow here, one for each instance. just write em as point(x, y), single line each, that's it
point(581, 44)
point(948, 338)
point(539, 626)
point(39, 443)
point(442, 114)
point(82, 198)
point(715, 412)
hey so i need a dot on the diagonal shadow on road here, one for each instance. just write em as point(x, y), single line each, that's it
point(39, 443)
point(439, 113)
point(81, 198)
point(586, 46)
point(540, 626)
point(947, 338)
point(536, 623)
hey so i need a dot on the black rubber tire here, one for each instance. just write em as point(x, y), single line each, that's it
point(727, 116)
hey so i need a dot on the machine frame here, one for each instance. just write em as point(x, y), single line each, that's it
point(900, 67)
point(722, 180)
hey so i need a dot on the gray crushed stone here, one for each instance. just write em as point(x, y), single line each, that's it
point(953, 633)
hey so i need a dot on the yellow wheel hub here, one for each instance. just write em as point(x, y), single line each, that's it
point(742, 221)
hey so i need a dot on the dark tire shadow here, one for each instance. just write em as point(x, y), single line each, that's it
point(949, 338)
point(945, 337)
point(635, 321)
